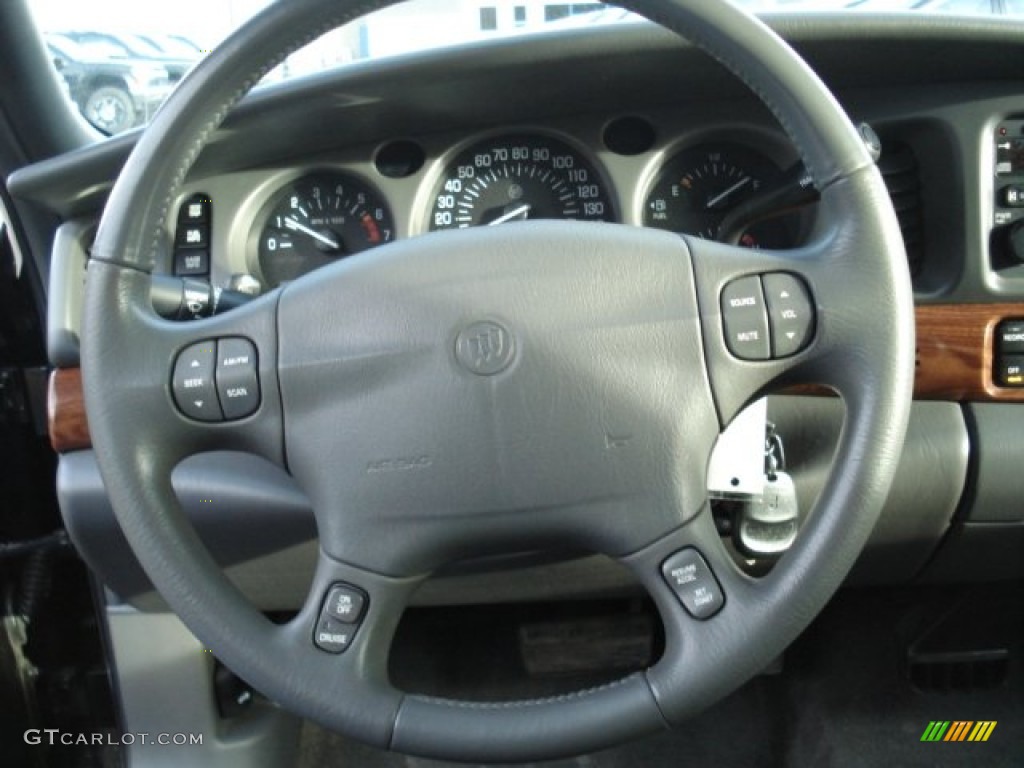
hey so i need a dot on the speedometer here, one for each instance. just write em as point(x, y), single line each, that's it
point(513, 178)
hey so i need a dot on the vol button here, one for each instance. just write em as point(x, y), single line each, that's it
point(790, 314)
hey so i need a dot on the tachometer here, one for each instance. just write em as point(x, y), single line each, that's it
point(506, 179)
point(319, 219)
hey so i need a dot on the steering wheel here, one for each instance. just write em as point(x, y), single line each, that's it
point(545, 384)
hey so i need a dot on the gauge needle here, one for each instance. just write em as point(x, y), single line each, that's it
point(293, 224)
point(515, 213)
point(722, 195)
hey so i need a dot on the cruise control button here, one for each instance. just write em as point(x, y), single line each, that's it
point(744, 319)
point(790, 313)
point(345, 604)
point(237, 381)
point(332, 635)
point(694, 583)
point(193, 382)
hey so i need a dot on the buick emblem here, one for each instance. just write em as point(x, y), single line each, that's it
point(485, 348)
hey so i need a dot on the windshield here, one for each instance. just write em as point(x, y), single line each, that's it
point(119, 59)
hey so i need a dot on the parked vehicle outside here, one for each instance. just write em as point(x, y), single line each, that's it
point(113, 94)
point(129, 46)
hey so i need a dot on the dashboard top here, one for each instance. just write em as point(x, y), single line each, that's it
point(931, 86)
point(636, 65)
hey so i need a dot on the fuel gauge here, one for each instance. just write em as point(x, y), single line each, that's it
point(700, 185)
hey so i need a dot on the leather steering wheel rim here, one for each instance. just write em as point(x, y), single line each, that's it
point(677, 368)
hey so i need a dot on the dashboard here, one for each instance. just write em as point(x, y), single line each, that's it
point(626, 125)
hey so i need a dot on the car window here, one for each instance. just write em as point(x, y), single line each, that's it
point(119, 59)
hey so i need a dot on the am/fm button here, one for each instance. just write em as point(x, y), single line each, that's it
point(237, 382)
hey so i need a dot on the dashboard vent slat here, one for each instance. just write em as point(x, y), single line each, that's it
point(899, 170)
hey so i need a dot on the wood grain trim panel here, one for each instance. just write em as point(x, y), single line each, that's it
point(955, 346)
point(65, 406)
point(954, 362)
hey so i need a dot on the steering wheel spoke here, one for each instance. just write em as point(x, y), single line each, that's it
point(706, 604)
point(344, 630)
point(186, 387)
point(778, 319)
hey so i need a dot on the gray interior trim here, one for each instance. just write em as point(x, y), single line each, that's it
point(996, 490)
point(68, 260)
point(924, 497)
point(245, 509)
point(261, 528)
point(164, 684)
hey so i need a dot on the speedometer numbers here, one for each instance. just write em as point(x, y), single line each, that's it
point(515, 178)
point(319, 219)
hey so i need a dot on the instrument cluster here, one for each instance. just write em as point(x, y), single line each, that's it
point(709, 184)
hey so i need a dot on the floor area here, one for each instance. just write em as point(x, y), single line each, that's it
point(842, 697)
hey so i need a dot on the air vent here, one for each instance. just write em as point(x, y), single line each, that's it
point(975, 671)
point(900, 172)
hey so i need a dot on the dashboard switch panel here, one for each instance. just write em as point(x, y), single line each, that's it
point(745, 319)
point(192, 238)
point(1008, 211)
point(694, 584)
point(1009, 353)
